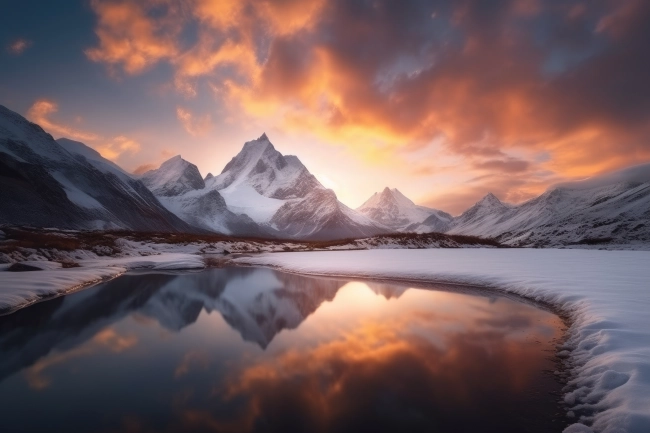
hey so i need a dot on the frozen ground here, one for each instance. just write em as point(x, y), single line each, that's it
point(606, 292)
point(20, 289)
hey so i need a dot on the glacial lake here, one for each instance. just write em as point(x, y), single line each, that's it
point(257, 350)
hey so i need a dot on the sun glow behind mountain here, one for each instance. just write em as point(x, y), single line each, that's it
point(444, 100)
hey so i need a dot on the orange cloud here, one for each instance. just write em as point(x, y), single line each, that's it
point(384, 79)
point(131, 38)
point(111, 148)
point(141, 169)
point(194, 126)
point(116, 147)
point(18, 46)
point(40, 113)
point(290, 16)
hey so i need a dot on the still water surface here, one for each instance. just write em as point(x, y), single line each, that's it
point(247, 349)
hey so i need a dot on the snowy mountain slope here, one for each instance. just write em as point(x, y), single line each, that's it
point(393, 209)
point(49, 185)
point(486, 213)
point(320, 216)
point(260, 192)
point(181, 189)
point(609, 209)
point(92, 156)
point(174, 177)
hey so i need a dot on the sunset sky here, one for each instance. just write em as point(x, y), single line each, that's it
point(444, 100)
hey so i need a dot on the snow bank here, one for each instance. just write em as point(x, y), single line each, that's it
point(20, 289)
point(166, 261)
point(606, 292)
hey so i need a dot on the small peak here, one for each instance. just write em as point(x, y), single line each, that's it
point(262, 142)
point(490, 198)
point(208, 176)
point(386, 191)
point(173, 162)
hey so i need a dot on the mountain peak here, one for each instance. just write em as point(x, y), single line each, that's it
point(393, 209)
point(490, 199)
point(174, 177)
point(254, 149)
point(260, 166)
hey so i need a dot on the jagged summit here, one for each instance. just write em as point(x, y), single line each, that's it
point(174, 177)
point(261, 167)
point(490, 200)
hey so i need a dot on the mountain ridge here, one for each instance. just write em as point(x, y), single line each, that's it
point(48, 185)
point(261, 192)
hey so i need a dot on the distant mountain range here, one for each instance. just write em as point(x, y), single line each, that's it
point(262, 193)
point(259, 192)
point(608, 209)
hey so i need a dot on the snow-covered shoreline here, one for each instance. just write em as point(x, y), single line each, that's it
point(22, 289)
point(607, 294)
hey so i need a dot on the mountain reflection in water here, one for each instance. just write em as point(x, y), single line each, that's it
point(146, 352)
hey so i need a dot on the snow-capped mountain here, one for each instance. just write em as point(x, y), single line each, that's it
point(487, 212)
point(181, 189)
point(393, 209)
point(174, 177)
point(68, 185)
point(260, 167)
point(258, 185)
point(609, 209)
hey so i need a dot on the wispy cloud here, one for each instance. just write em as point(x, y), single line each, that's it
point(19, 46)
point(141, 169)
point(196, 126)
point(114, 148)
point(111, 148)
point(40, 112)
